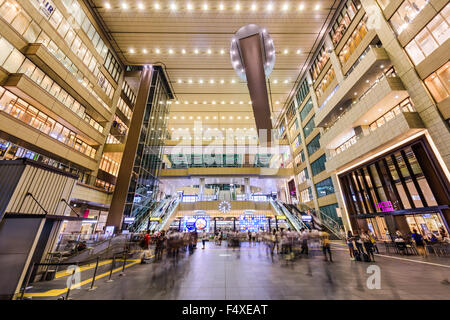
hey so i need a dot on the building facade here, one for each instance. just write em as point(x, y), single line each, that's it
point(368, 123)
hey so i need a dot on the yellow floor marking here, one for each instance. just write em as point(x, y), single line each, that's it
point(57, 292)
point(65, 273)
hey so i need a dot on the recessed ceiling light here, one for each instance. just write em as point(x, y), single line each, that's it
point(209, 51)
point(382, 66)
point(183, 51)
point(196, 51)
point(144, 51)
point(275, 81)
point(222, 81)
point(299, 51)
point(233, 81)
point(211, 81)
point(180, 81)
point(157, 51)
point(190, 81)
point(379, 109)
point(301, 7)
point(237, 7)
point(140, 6)
point(270, 7)
point(124, 5)
point(396, 97)
point(131, 50)
point(173, 6)
point(254, 7)
point(221, 6)
point(107, 5)
point(170, 51)
point(286, 51)
point(317, 7)
point(285, 6)
point(200, 81)
point(189, 6)
point(205, 6)
point(355, 93)
point(157, 7)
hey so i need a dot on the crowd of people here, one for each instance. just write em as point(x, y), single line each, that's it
point(288, 243)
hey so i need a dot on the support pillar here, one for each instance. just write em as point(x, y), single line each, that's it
point(201, 190)
point(247, 188)
point(115, 216)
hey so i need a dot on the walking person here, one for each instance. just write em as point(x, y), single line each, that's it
point(326, 248)
point(304, 239)
point(349, 239)
point(203, 238)
point(367, 246)
point(358, 243)
point(374, 242)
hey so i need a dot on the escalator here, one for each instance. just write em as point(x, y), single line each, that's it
point(156, 214)
point(295, 221)
point(323, 221)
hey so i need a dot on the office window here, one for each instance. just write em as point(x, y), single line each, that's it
point(353, 42)
point(344, 19)
point(439, 83)
point(306, 109)
point(430, 38)
point(306, 195)
point(309, 127)
point(303, 176)
point(303, 91)
point(5, 50)
point(330, 210)
point(324, 187)
point(314, 145)
point(406, 13)
point(319, 165)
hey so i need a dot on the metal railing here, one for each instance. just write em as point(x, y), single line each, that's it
point(325, 220)
point(293, 219)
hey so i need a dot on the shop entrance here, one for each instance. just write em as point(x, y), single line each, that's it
point(427, 224)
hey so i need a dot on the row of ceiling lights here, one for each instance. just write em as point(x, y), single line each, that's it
point(211, 138)
point(214, 117)
point(215, 129)
point(215, 102)
point(222, 81)
point(197, 51)
point(173, 6)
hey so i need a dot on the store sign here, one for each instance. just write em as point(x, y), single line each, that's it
point(306, 218)
point(46, 7)
point(281, 218)
point(128, 219)
point(384, 206)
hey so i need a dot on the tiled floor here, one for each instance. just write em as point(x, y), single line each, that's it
point(251, 273)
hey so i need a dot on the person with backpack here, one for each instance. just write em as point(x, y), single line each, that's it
point(351, 247)
point(420, 245)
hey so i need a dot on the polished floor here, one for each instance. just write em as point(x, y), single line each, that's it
point(252, 273)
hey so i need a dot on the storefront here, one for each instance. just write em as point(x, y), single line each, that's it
point(404, 189)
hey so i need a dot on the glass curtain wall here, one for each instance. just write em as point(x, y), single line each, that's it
point(143, 189)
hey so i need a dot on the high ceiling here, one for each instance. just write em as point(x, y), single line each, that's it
point(192, 40)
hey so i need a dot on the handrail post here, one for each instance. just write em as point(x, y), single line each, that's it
point(112, 267)
point(28, 281)
point(124, 263)
point(93, 278)
point(70, 285)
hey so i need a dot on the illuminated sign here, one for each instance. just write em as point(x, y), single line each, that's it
point(306, 218)
point(46, 7)
point(384, 206)
point(281, 218)
point(128, 219)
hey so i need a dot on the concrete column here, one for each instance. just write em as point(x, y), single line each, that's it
point(201, 190)
point(336, 64)
point(247, 188)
